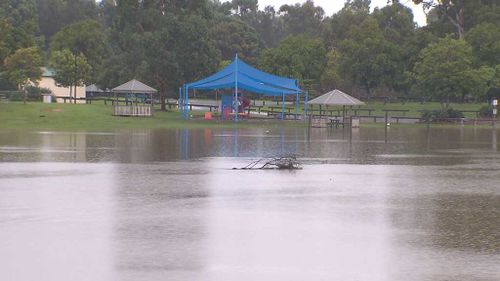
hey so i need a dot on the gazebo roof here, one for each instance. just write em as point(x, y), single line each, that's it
point(336, 97)
point(133, 87)
point(93, 89)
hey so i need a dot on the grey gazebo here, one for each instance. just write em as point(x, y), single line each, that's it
point(336, 98)
point(134, 87)
point(93, 91)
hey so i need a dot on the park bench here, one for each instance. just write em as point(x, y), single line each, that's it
point(369, 110)
point(404, 111)
point(210, 107)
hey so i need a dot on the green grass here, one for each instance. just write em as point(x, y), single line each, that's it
point(413, 107)
point(88, 117)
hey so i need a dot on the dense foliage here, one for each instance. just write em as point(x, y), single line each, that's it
point(165, 43)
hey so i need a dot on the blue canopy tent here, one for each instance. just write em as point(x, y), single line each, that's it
point(240, 75)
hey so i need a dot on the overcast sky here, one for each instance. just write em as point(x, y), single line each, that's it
point(332, 6)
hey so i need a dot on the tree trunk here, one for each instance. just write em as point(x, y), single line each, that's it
point(163, 94)
point(70, 93)
point(459, 22)
point(74, 91)
point(368, 91)
point(162, 99)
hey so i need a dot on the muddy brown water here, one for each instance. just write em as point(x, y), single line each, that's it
point(369, 204)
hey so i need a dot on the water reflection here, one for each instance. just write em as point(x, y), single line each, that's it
point(494, 145)
point(362, 146)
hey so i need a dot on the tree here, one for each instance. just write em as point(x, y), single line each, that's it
point(479, 82)
point(85, 37)
point(337, 27)
point(159, 47)
point(233, 36)
point(269, 27)
point(267, 24)
point(396, 21)
point(24, 66)
point(452, 10)
point(72, 70)
point(302, 19)
point(242, 7)
point(57, 14)
point(17, 26)
point(366, 58)
point(299, 56)
point(485, 42)
point(22, 15)
point(331, 78)
point(444, 71)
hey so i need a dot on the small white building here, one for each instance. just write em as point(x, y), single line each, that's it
point(59, 92)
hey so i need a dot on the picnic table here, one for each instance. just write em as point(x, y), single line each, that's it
point(279, 108)
point(335, 122)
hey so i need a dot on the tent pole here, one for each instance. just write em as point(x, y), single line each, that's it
point(283, 107)
point(305, 104)
point(236, 89)
point(186, 101)
point(180, 100)
point(296, 104)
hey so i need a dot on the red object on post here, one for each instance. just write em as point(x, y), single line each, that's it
point(208, 115)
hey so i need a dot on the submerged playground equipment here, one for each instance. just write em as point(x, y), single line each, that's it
point(240, 76)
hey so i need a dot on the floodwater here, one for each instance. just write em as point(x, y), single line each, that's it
point(369, 204)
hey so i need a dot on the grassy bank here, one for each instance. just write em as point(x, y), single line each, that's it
point(41, 116)
point(88, 117)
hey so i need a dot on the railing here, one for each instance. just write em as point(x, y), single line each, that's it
point(133, 110)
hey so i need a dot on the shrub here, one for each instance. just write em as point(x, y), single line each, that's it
point(441, 115)
point(15, 96)
point(486, 111)
point(35, 93)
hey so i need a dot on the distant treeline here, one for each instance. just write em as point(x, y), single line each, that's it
point(166, 43)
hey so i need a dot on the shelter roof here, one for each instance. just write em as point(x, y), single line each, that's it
point(134, 86)
point(247, 78)
point(336, 97)
point(93, 89)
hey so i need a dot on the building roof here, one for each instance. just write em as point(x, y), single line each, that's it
point(134, 86)
point(336, 97)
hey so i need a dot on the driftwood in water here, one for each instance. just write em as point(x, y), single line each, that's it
point(280, 163)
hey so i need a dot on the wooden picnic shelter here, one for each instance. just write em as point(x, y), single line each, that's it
point(134, 87)
point(335, 98)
